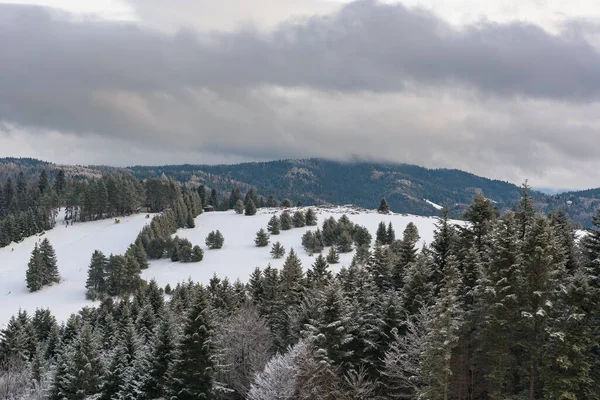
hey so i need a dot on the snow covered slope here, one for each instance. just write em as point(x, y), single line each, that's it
point(237, 259)
point(74, 247)
point(239, 256)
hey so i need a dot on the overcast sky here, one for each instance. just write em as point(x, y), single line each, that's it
point(506, 89)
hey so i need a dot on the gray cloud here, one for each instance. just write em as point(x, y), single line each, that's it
point(373, 80)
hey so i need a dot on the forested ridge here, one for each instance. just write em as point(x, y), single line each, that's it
point(318, 181)
point(505, 307)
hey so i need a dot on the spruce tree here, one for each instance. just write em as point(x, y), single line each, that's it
point(60, 182)
point(319, 275)
point(311, 217)
point(285, 220)
point(96, 280)
point(383, 208)
point(214, 240)
point(84, 366)
point(273, 226)
point(277, 250)
point(390, 234)
point(381, 234)
point(197, 254)
point(379, 266)
point(541, 269)
point(333, 256)
point(344, 243)
point(193, 368)
point(50, 270)
point(239, 206)
point(330, 231)
point(262, 238)
point(250, 208)
point(299, 219)
point(331, 331)
point(190, 223)
point(444, 240)
point(35, 270)
point(443, 331)
point(361, 236)
point(292, 278)
point(406, 254)
point(162, 357)
point(481, 213)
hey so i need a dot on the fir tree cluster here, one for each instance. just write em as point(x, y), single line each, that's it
point(156, 238)
point(503, 307)
point(42, 269)
point(27, 209)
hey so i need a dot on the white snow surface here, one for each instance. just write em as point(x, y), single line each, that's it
point(239, 256)
point(236, 260)
point(436, 206)
point(74, 246)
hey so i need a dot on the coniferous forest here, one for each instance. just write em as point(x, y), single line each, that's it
point(504, 307)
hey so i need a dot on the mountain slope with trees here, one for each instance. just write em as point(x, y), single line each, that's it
point(316, 181)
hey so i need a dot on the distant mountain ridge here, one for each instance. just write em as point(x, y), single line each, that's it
point(407, 188)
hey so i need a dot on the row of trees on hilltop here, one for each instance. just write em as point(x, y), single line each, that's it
point(504, 307)
point(29, 209)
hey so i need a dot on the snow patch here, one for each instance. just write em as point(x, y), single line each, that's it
point(74, 246)
point(236, 260)
point(431, 203)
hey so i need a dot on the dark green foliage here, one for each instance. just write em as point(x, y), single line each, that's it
point(330, 229)
point(299, 219)
point(481, 214)
point(312, 242)
point(274, 226)
point(344, 242)
point(444, 239)
point(286, 203)
point(42, 269)
point(193, 367)
point(383, 208)
point(381, 234)
point(361, 236)
point(163, 355)
point(507, 320)
point(35, 270)
point(197, 254)
point(250, 208)
point(319, 275)
point(311, 217)
point(96, 281)
point(215, 240)
point(277, 250)
point(285, 220)
point(262, 238)
point(239, 206)
point(390, 234)
point(333, 256)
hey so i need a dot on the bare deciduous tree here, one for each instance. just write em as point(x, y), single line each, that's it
point(402, 361)
point(245, 347)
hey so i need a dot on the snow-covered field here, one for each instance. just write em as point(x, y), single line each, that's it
point(239, 256)
point(74, 247)
point(237, 259)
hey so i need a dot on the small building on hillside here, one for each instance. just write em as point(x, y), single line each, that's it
point(144, 209)
point(208, 208)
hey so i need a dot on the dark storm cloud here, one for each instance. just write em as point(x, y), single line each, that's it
point(375, 80)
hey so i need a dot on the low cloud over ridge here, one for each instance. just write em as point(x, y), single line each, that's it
point(374, 80)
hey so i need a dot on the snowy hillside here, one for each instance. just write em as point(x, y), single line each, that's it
point(239, 256)
point(237, 259)
point(74, 247)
